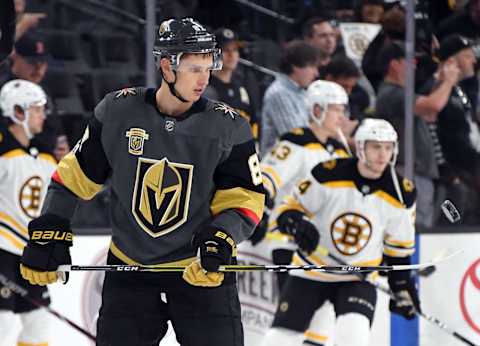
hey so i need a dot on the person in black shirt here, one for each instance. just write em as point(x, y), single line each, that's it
point(226, 86)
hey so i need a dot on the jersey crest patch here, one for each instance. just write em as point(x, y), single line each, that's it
point(161, 195)
point(226, 109)
point(136, 139)
point(350, 233)
point(125, 92)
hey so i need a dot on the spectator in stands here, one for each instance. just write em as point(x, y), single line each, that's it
point(393, 29)
point(343, 71)
point(390, 106)
point(371, 11)
point(465, 22)
point(7, 30)
point(29, 61)
point(456, 127)
point(319, 33)
point(25, 21)
point(284, 106)
point(225, 85)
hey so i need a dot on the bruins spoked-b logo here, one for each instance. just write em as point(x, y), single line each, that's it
point(30, 196)
point(350, 233)
point(161, 196)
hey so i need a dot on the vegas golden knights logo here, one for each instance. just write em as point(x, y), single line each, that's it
point(350, 233)
point(162, 195)
point(136, 140)
point(30, 196)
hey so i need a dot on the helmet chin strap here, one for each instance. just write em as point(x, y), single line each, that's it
point(24, 124)
point(173, 91)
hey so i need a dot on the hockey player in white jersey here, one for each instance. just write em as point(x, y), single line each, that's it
point(295, 154)
point(361, 212)
point(25, 171)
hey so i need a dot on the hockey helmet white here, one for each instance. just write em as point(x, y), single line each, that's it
point(324, 93)
point(378, 130)
point(24, 94)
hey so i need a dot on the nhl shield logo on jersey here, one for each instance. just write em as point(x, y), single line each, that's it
point(350, 233)
point(161, 195)
point(136, 139)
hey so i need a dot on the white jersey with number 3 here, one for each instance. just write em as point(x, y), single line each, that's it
point(295, 155)
point(24, 178)
point(358, 219)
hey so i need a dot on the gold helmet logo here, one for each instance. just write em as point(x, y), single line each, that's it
point(30, 196)
point(350, 233)
point(162, 195)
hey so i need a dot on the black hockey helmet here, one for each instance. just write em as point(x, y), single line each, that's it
point(177, 36)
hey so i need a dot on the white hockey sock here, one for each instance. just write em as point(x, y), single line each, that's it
point(282, 337)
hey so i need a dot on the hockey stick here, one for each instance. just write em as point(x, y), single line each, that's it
point(277, 236)
point(22, 292)
point(254, 267)
point(435, 321)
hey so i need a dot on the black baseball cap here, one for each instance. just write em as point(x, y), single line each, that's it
point(32, 48)
point(392, 51)
point(225, 35)
point(451, 45)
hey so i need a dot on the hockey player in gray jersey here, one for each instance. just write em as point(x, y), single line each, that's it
point(186, 186)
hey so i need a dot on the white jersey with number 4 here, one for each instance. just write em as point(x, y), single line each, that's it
point(24, 177)
point(358, 219)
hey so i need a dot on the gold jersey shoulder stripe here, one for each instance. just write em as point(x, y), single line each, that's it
point(314, 146)
point(127, 260)
point(389, 199)
point(339, 184)
point(75, 179)
point(238, 197)
point(341, 153)
point(14, 153)
point(47, 157)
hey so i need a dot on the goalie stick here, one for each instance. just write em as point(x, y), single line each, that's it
point(22, 292)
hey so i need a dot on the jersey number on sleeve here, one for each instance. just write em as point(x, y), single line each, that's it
point(303, 186)
point(255, 170)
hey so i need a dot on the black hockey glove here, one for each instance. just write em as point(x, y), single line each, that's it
point(48, 247)
point(403, 286)
point(296, 223)
point(215, 248)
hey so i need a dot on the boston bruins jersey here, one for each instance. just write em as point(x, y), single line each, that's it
point(293, 157)
point(358, 219)
point(169, 176)
point(24, 176)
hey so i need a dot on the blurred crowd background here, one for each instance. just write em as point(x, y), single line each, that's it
point(273, 49)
